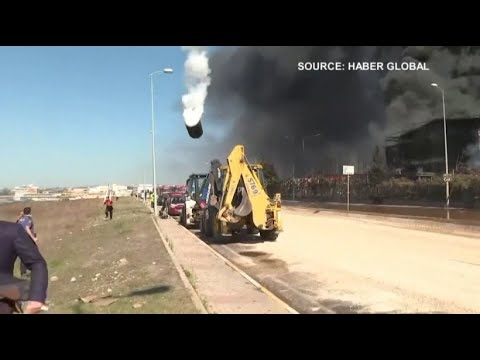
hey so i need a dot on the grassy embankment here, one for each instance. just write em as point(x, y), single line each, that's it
point(122, 260)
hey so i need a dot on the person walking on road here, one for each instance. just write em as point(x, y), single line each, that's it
point(26, 221)
point(108, 207)
point(15, 243)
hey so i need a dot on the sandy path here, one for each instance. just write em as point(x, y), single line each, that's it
point(372, 267)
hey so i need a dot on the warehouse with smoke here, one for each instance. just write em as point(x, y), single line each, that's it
point(257, 97)
point(274, 105)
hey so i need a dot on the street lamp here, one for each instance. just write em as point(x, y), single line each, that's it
point(164, 71)
point(447, 182)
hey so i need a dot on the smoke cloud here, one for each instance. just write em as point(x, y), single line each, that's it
point(410, 98)
point(472, 154)
point(273, 108)
point(197, 80)
point(260, 98)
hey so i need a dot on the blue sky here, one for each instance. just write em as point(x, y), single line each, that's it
point(73, 116)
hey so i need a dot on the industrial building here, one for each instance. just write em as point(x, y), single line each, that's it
point(422, 150)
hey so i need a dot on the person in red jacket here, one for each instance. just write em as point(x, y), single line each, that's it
point(108, 207)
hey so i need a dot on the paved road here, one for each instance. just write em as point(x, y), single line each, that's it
point(328, 263)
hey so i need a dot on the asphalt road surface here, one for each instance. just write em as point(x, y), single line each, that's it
point(328, 263)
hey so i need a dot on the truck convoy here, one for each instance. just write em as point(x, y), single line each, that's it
point(232, 197)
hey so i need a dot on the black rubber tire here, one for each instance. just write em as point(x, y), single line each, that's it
point(269, 235)
point(183, 217)
point(210, 224)
point(207, 223)
point(252, 231)
point(201, 224)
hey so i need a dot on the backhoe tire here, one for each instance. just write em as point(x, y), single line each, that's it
point(211, 224)
point(252, 231)
point(208, 219)
point(201, 224)
point(268, 235)
point(183, 217)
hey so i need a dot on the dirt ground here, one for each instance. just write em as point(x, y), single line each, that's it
point(117, 266)
point(327, 263)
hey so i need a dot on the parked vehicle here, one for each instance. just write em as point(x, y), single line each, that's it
point(175, 204)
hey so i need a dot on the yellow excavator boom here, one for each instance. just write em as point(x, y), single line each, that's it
point(265, 212)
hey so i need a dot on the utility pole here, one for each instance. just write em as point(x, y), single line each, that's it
point(164, 71)
point(447, 176)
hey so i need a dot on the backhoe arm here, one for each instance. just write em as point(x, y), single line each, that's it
point(232, 178)
point(239, 168)
point(258, 198)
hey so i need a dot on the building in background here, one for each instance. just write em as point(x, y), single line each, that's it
point(421, 151)
point(33, 193)
point(26, 189)
point(141, 188)
point(98, 190)
point(113, 190)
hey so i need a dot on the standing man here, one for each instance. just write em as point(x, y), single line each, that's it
point(15, 242)
point(163, 212)
point(108, 207)
point(26, 221)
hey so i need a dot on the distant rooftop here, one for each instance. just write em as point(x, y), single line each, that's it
point(426, 126)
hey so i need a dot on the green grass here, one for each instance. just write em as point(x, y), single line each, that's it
point(55, 264)
point(96, 246)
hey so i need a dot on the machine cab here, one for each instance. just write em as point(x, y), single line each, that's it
point(194, 185)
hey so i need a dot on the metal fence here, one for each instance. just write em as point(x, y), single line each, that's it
point(465, 190)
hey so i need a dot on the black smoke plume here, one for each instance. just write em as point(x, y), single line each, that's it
point(271, 107)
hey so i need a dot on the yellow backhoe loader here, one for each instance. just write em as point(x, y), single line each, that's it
point(236, 198)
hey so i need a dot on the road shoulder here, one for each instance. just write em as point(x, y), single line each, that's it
point(223, 289)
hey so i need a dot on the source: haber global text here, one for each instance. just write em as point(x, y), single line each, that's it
point(362, 66)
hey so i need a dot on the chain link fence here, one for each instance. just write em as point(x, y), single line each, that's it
point(464, 190)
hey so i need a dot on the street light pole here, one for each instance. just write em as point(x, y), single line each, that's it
point(447, 182)
point(155, 209)
point(153, 152)
point(446, 150)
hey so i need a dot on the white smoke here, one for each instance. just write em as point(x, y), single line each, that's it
point(197, 80)
point(472, 153)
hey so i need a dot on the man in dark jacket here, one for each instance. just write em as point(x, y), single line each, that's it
point(15, 242)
